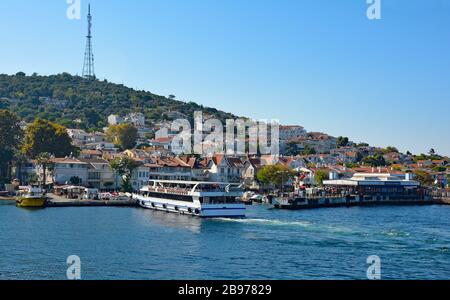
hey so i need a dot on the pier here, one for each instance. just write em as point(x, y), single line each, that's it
point(91, 203)
point(364, 189)
point(329, 202)
point(441, 196)
point(56, 201)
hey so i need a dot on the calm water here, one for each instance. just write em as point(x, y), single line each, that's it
point(130, 243)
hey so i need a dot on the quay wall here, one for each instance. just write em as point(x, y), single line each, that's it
point(325, 202)
point(91, 203)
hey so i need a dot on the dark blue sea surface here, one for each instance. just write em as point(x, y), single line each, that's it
point(129, 243)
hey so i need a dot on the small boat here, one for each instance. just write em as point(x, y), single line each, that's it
point(246, 201)
point(31, 197)
point(260, 199)
point(246, 198)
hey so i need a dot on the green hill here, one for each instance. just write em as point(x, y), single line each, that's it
point(64, 99)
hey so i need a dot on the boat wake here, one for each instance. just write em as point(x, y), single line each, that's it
point(268, 222)
point(310, 226)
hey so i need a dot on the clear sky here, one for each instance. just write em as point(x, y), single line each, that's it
point(321, 64)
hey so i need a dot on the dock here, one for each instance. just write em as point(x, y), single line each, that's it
point(91, 203)
point(55, 201)
point(352, 201)
point(441, 196)
point(7, 198)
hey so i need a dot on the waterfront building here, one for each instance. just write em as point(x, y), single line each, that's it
point(251, 168)
point(386, 185)
point(179, 168)
point(64, 169)
point(140, 177)
point(100, 174)
point(226, 169)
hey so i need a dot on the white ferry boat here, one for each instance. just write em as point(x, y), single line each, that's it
point(201, 199)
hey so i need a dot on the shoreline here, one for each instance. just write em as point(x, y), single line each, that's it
point(363, 204)
point(55, 202)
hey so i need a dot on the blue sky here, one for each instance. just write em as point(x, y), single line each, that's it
point(318, 63)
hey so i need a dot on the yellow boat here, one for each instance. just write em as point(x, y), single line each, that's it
point(31, 197)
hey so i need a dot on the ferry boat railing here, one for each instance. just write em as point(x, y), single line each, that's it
point(185, 191)
point(170, 190)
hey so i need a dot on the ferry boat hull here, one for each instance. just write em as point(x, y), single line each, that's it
point(235, 210)
point(31, 202)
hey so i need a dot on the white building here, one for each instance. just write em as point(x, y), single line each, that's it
point(115, 120)
point(79, 137)
point(100, 174)
point(66, 168)
point(226, 169)
point(292, 132)
point(137, 119)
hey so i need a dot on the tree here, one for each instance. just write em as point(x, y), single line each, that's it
point(308, 150)
point(91, 117)
point(75, 180)
point(124, 166)
point(108, 185)
point(424, 178)
point(43, 136)
point(20, 159)
point(439, 169)
point(376, 160)
point(44, 160)
point(10, 132)
point(291, 149)
point(362, 145)
point(123, 135)
point(63, 97)
point(342, 141)
point(277, 175)
point(390, 149)
point(32, 178)
point(10, 135)
point(320, 176)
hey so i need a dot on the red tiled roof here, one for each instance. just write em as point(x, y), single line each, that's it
point(67, 160)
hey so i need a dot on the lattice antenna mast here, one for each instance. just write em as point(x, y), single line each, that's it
point(88, 67)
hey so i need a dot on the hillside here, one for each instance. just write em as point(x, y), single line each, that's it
point(64, 98)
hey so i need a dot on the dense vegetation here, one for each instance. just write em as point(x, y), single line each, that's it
point(78, 103)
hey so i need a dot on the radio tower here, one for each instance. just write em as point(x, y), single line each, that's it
point(88, 67)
